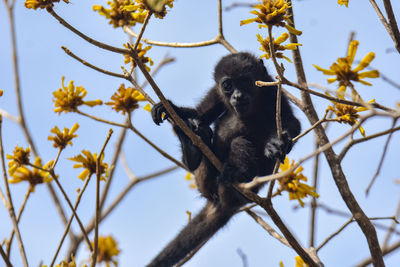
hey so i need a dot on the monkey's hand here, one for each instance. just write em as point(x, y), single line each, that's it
point(277, 148)
point(159, 112)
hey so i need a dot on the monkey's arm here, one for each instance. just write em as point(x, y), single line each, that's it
point(278, 148)
point(191, 155)
point(210, 107)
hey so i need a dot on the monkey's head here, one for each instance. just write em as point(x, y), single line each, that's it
point(235, 75)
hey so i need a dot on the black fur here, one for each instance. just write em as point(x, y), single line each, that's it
point(244, 139)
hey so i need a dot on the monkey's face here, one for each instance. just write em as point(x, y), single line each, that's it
point(238, 93)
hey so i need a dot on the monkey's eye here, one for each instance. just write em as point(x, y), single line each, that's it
point(227, 86)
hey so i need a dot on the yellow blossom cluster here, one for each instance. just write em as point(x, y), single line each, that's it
point(265, 46)
point(64, 263)
point(299, 262)
point(119, 15)
point(158, 8)
point(141, 54)
point(88, 161)
point(62, 139)
point(292, 183)
point(36, 175)
point(70, 98)
point(108, 250)
point(343, 2)
point(126, 99)
point(35, 4)
point(19, 158)
point(344, 73)
point(348, 113)
point(272, 13)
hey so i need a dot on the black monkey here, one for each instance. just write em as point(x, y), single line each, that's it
point(244, 139)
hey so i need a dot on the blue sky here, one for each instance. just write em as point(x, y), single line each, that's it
point(154, 211)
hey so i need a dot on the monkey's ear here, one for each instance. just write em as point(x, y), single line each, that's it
point(264, 69)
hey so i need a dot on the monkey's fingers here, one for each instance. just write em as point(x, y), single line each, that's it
point(157, 113)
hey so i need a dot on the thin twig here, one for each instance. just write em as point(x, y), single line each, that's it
point(102, 120)
point(114, 161)
point(266, 204)
point(171, 44)
point(85, 37)
point(346, 224)
point(166, 60)
point(364, 139)
point(311, 128)
point(385, 148)
point(84, 62)
point(268, 228)
point(5, 258)
point(335, 99)
point(243, 257)
point(139, 37)
point(392, 227)
point(55, 178)
point(21, 210)
point(98, 211)
point(334, 234)
point(392, 24)
point(74, 246)
point(10, 205)
point(313, 205)
point(159, 150)
point(9, 116)
point(385, 252)
point(78, 199)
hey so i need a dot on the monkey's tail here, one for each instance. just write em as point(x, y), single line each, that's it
point(202, 227)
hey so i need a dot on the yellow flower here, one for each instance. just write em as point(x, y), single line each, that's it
point(34, 176)
point(157, 7)
point(343, 2)
point(190, 177)
point(72, 263)
point(147, 107)
point(300, 262)
point(277, 46)
point(70, 98)
point(272, 13)
point(88, 162)
point(35, 4)
point(119, 15)
point(141, 52)
point(108, 249)
point(19, 158)
point(1, 92)
point(348, 113)
point(62, 139)
point(344, 73)
point(126, 99)
point(293, 185)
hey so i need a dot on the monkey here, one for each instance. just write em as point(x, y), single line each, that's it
point(244, 139)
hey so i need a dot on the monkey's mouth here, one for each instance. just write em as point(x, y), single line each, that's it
point(241, 107)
